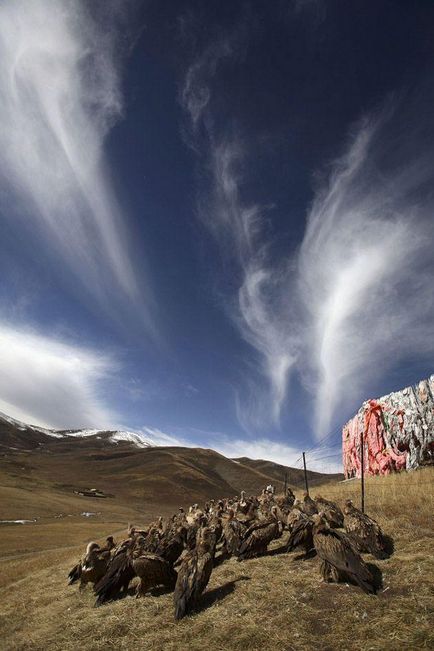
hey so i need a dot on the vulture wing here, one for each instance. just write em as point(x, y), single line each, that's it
point(257, 541)
point(368, 533)
point(171, 548)
point(233, 532)
point(193, 577)
point(117, 578)
point(184, 588)
point(75, 573)
point(301, 534)
point(153, 570)
point(336, 550)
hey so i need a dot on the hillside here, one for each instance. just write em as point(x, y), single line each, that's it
point(42, 473)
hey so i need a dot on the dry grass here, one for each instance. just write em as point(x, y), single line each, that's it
point(275, 602)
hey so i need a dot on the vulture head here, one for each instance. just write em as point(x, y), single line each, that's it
point(91, 547)
point(319, 518)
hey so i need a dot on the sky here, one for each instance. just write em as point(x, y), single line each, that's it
point(216, 219)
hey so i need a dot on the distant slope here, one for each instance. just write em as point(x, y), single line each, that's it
point(33, 461)
point(295, 475)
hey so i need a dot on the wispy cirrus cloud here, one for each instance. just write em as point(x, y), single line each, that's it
point(60, 89)
point(239, 227)
point(365, 266)
point(52, 383)
point(355, 298)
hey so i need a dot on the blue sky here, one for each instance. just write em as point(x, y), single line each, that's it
point(216, 218)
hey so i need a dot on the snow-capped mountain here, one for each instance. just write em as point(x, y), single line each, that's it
point(139, 439)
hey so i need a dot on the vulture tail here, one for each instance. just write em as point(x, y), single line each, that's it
point(180, 609)
point(367, 585)
point(74, 574)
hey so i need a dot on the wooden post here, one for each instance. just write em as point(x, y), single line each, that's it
point(362, 469)
point(285, 482)
point(305, 474)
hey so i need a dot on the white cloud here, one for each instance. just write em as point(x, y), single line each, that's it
point(270, 450)
point(61, 94)
point(366, 270)
point(47, 382)
point(260, 312)
point(356, 299)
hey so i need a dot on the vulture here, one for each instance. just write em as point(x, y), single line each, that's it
point(294, 516)
point(308, 505)
point(171, 547)
point(153, 571)
point(233, 531)
point(259, 535)
point(243, 504)
point(153, 538)
point(340, 561)
point(117, 577)
point(366, 533)
point(332, 512)
point(301, 536)
point(248, 516)
point(194, 573)
point(95, 564)
point(76, 572)
point(286, 502)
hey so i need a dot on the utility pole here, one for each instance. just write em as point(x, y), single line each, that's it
point(362, 468)
point(305, 474)
point(285, 482)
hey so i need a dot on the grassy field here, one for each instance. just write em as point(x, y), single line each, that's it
point(270, 603)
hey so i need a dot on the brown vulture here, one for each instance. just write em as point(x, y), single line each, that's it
point(258, 536)
point(76, 572)
point(233, 531)
point(286, 502)
point(153, 571)
point(366, 533)
point(332, 512)
point(308, 505)
point(95, 565)
point(249, 516)
point(340, 561)
point(294, 516)
point(301, 536)
point(171, 547)
point(194, 574)
point(117, 577)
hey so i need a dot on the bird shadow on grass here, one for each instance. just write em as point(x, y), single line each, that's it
point(377, 575)
point(160, 590)
point(389, 545)
point(211, 597)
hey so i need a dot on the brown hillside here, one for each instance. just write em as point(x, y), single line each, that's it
point(295, 475)
point(39, 474)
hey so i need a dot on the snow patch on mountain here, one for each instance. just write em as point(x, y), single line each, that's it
point(139, 439)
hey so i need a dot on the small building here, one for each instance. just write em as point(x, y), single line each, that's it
point(397, 430)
